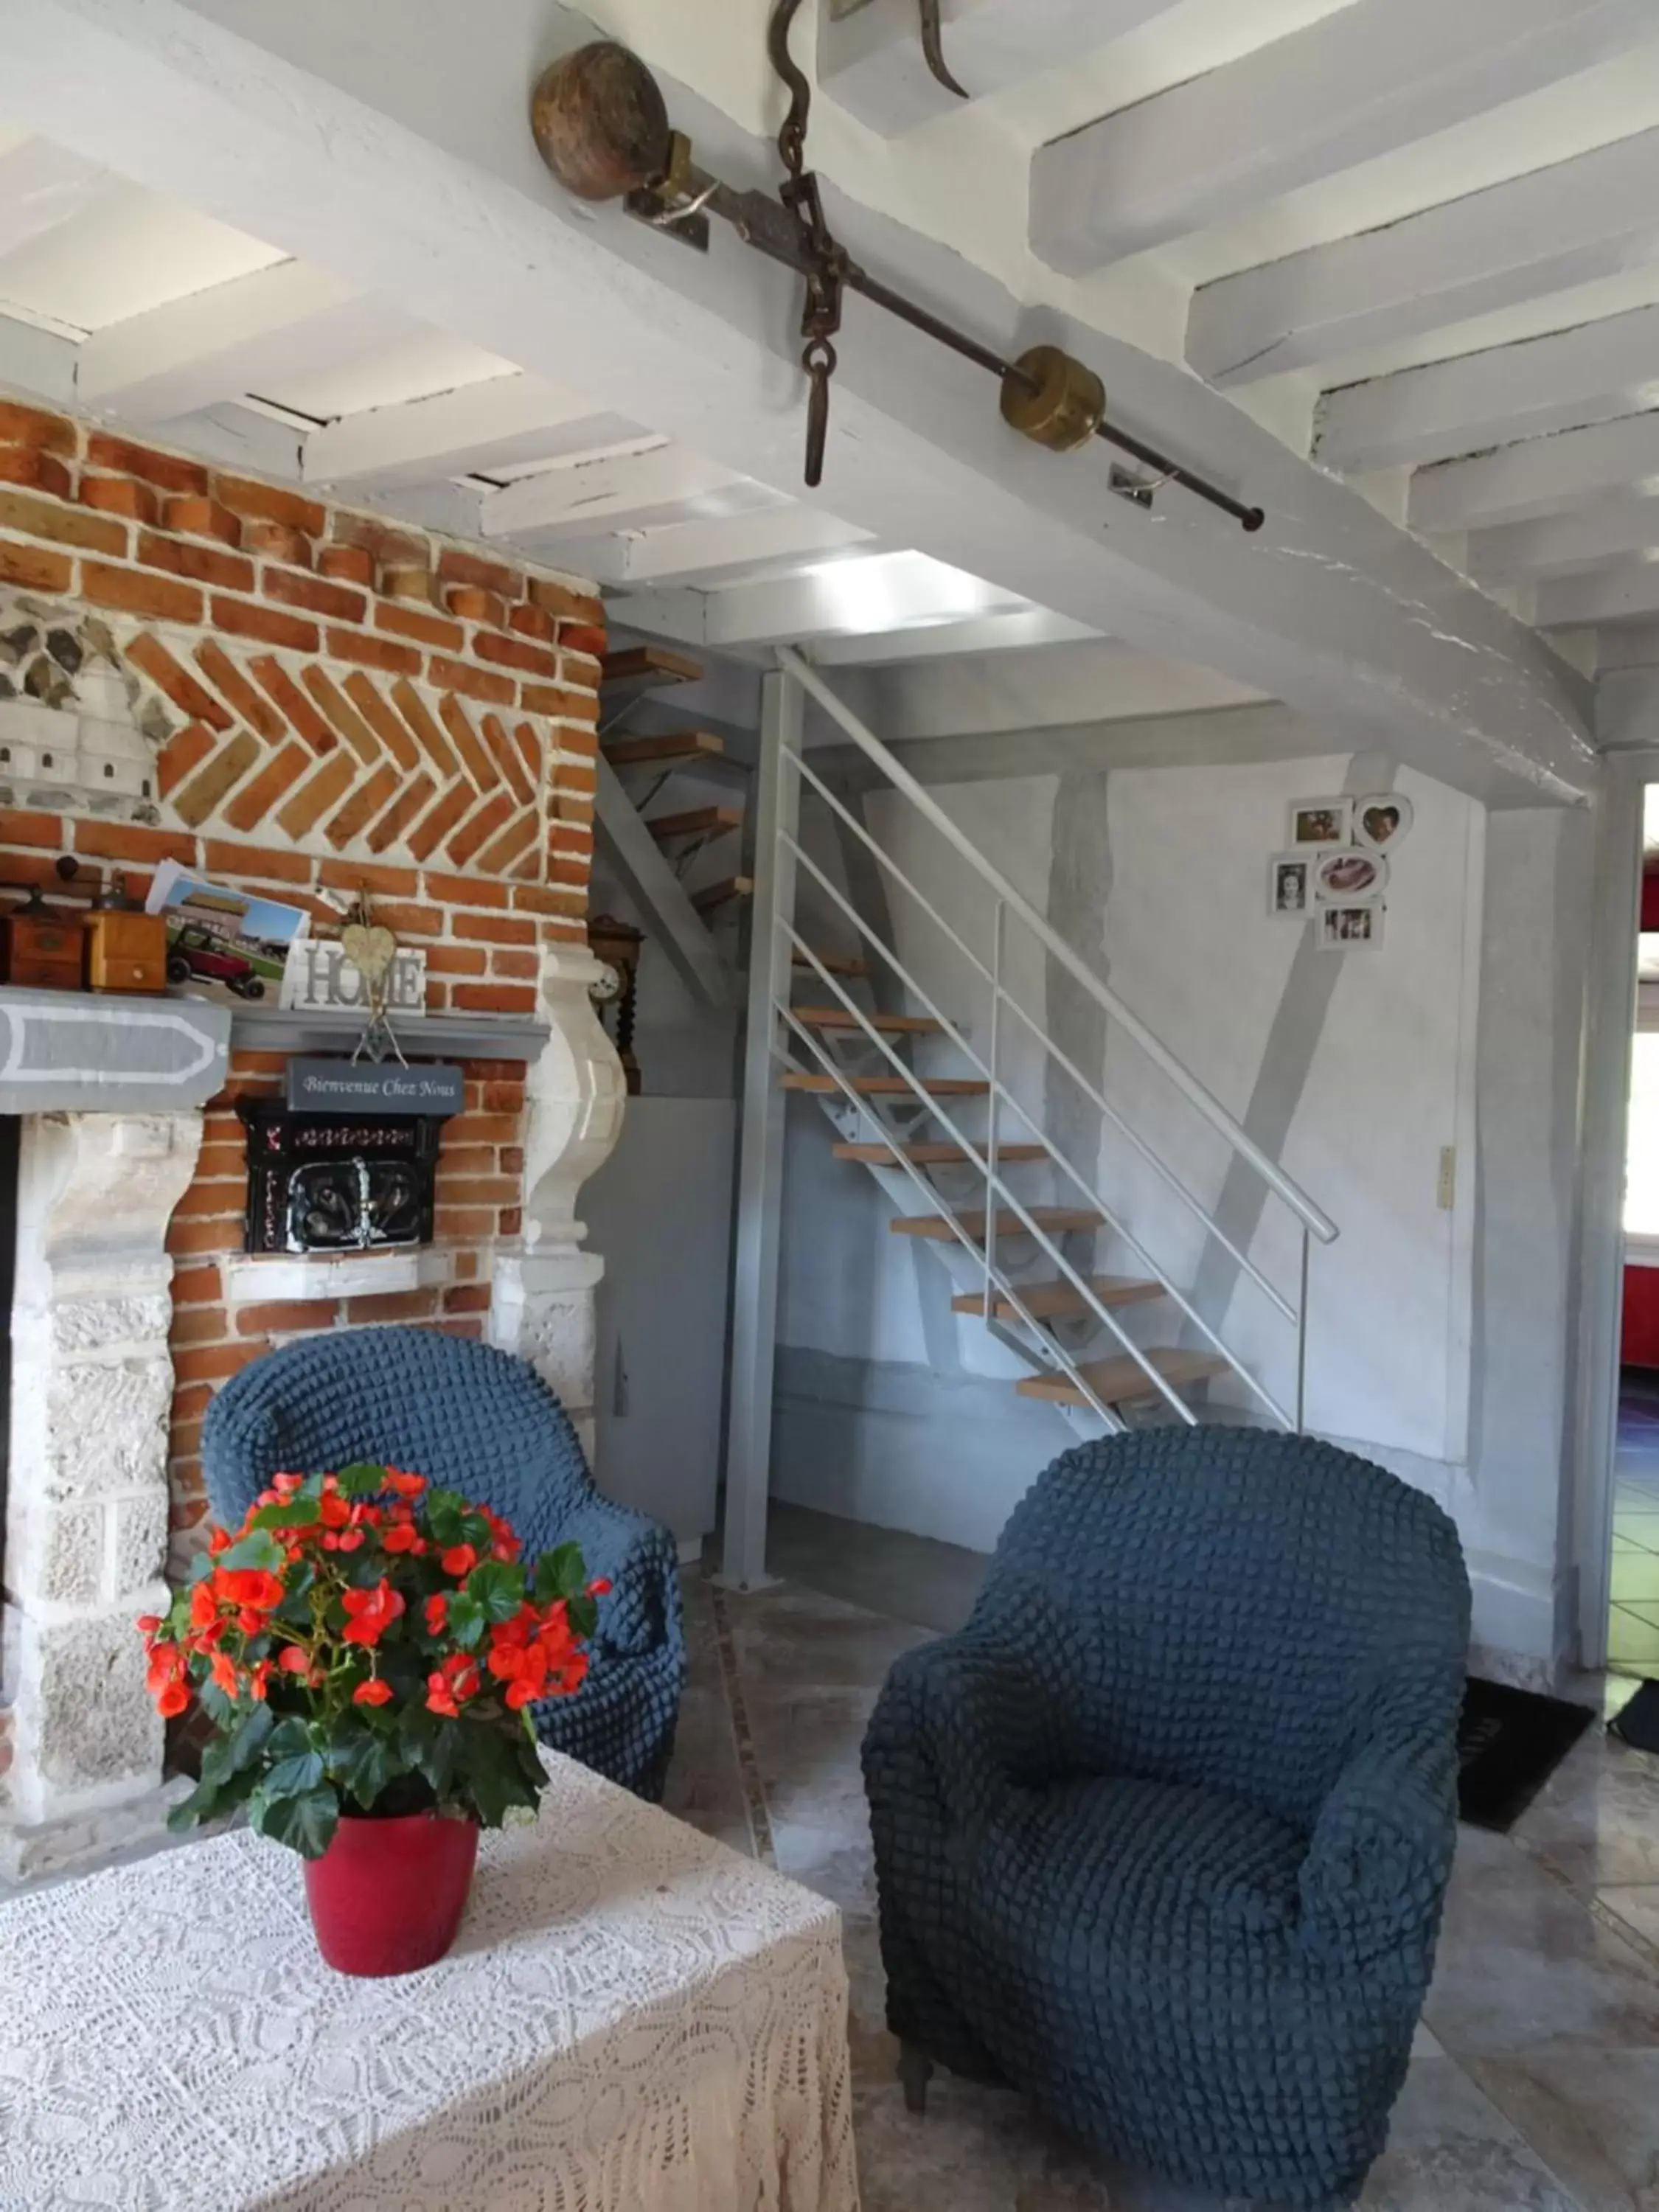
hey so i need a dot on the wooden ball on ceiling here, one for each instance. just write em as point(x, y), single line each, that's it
point(601, 122)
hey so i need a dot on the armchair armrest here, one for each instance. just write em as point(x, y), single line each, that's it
point(1380, 1853)
point(636, 1555)
point(975, 1715)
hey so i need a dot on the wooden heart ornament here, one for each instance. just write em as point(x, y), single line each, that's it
point(371, 951)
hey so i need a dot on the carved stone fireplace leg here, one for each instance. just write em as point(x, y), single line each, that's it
point(542, 1302)
point(86, 1508)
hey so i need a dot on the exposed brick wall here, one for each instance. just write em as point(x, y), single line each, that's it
point(479, 1184)
point(329, 704)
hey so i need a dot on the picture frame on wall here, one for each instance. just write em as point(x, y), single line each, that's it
point(1382, 821)
point(1290, 887)
point(1320, 821)
point(1350, 928)
point(1348, 876)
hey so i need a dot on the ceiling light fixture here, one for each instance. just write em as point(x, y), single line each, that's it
point(603, 128)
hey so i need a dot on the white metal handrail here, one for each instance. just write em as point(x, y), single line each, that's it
point(1001, 996)
point(986, 1164)
point(1313, 1218)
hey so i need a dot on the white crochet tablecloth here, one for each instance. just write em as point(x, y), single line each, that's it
point(633, 2020)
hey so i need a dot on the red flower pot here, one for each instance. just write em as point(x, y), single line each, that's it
point(386, 1897)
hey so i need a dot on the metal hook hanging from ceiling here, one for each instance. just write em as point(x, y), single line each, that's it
point(602, 125)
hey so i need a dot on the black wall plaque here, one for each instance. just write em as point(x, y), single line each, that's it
point(342, 1086)
point(337, 1182)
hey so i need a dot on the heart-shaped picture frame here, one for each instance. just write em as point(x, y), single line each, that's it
point(371, 950)
point(1382, 821)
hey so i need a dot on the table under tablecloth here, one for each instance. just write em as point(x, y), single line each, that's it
point(633, 2019)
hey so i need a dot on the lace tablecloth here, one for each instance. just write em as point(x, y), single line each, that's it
point(633, 2020)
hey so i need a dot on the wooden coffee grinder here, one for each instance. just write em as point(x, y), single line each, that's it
point(40, 944)
point(126, 949)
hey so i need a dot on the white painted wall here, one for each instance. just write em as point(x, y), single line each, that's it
point(1438, 1337)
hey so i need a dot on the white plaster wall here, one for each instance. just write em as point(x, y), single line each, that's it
point(1384, 1050)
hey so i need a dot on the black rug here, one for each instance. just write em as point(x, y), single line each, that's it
point(1508, 1744)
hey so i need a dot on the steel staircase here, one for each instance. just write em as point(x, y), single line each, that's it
point(1092, 1290)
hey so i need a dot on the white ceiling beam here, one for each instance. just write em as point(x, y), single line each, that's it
point(37, 362)
point(1538, 476)
point(395, 154)
point(218, 344)
point(503, 422)
point(871, 61)
point(1557, 544)
point(1375, 76)
point(1545, 232)
point(1629, 593)
point(617, 491)
point(41, 185)
point(1591, 373)
point(854, 599)
point(719, 551)
point(1023, 627)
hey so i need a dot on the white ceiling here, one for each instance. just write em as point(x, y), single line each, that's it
point(206, 340)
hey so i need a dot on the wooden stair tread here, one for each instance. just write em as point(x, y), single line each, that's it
point(881, 1085)
point(837, 1017)
point(931, 1156)
point(680, 744)
point(633, 669)
point(834, 964)
point(694, 822)
point(1119, 1382)
point(734, 887)
point(1054, 1218)
point(1059, 1301)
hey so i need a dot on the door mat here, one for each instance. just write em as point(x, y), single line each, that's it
point(1637, 1723)
point(1508, 1743)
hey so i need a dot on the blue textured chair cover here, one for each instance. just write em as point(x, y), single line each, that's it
point(1162, 1834)
point(485, 1423)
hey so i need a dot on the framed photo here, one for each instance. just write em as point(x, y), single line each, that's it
point(1290, 891)
point(1347, 875)
point(1320, 821)
point(1350, 928)
point(1383, 820)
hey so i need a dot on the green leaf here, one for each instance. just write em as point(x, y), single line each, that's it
point(584, 1612)
point(444, 1512)
point(489, 1773)
point(294, 1778)
point(306, 1823)
point(364, 1762)
point(259, 1549)
point(498, 1586)
point(293, 1513)
point(466, 1620)
point(360, 1479)
point(288, 1739)
point(560, 1573)
point(236, 1747)
point(429, 1744)
point(200, 1568)
point(199, 1805)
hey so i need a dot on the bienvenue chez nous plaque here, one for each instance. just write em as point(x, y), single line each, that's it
point(344, 1086)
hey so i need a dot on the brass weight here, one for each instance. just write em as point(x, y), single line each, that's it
point(1055, 400)
point(601, 122)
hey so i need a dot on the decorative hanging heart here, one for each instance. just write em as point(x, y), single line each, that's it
point(371, 951)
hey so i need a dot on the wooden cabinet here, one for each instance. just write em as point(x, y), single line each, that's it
point(126, 951)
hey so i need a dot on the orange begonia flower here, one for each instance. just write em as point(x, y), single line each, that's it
point(459, 1559)
point(373, 1692)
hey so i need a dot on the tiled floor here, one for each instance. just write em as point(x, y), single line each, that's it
point(1634, 1622)
point(1535, 2088)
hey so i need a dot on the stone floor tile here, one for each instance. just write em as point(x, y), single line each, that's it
point(1596, 1820)
point(1523, 1963)
point(1593, 2116)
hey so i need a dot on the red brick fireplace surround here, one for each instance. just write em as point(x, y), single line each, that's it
point(309, 703)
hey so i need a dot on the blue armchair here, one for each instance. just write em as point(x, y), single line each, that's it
point(1163, 1835)
point(485, 1423)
